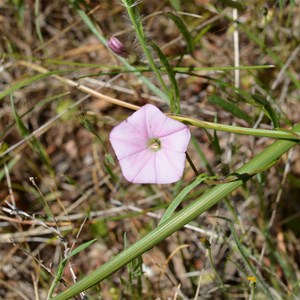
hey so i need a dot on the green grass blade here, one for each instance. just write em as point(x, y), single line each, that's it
point(37, 20)
point(9, 165)
point(277, 133)
point(242, 252)
point(148, 83)
point(180, 197)
point(36, 145)
point(184, 70)
point(267, 108)
point(81, 248)
point(40, 103)
point(26, 82)
point(184, 31)
point(174, 95)
point(175, 4)
point(202, 155)
point(179, 219)
point(230, 107)
point(63, 263)
point(136, 21)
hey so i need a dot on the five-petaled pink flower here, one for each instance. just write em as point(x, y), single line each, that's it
point(150, 146)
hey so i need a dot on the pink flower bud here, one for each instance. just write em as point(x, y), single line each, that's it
point(116, 46)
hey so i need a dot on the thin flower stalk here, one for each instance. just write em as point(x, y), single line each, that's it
point(138, 26)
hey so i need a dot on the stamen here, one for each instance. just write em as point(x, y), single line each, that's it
point(154, 144)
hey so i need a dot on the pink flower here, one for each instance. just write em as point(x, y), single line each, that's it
point(150, 146)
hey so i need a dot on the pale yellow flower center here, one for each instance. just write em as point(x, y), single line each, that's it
point(154, 144)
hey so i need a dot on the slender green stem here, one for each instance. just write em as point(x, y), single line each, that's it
point(247, 262)
point(119, 69)
point(138, 26)
point(192, 164)
point(130, 68)
point(182, 69)
point(277, 133)
point(211, 261)
point(179, 219)
point(252, 288)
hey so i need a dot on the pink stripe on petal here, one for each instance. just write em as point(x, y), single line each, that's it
point(124, 147)
point(126, 129)
point(132, 165)
point(169, 166)
point(170, 126)
point(147, 173)
point(155, 119)
point(177, 141)
point(138, 122)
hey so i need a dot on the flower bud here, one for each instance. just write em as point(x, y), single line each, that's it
point(116, 46)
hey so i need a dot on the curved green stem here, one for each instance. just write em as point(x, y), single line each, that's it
point(276, 133)
point(128, 67)
point(178, 220)
point(138, 26)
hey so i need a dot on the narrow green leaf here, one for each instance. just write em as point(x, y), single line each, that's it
point(63, 263)
point(176, 4)
point(202, 155)
point(36, 145)
point(230, 107)
point(202, 32)
point(147, 82)
point(267, 108)
point(37, 20)
point(244, 255)
point(86, 123)
point(40, 103)
point(109, 159)
point(183, 70)
point(9, 165)
point(26, 82)
point(277, 133)
point(175, 97)
point(180, 197)
point(215, 140)
point(184, 31)
point(81, 248)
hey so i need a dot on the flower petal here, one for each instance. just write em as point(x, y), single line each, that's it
point(140, 167)
point(158, 124)
point(127, 140)
point(177, 141)
point(138, 121)
point(169, 166)
point(171, 126)
point(154, 119)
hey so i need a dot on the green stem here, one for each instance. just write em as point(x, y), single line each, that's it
point(276, 133)
point(192, 164)
point(179, 219)
point(130, 68)
point(138, 26)
point(211, 261)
